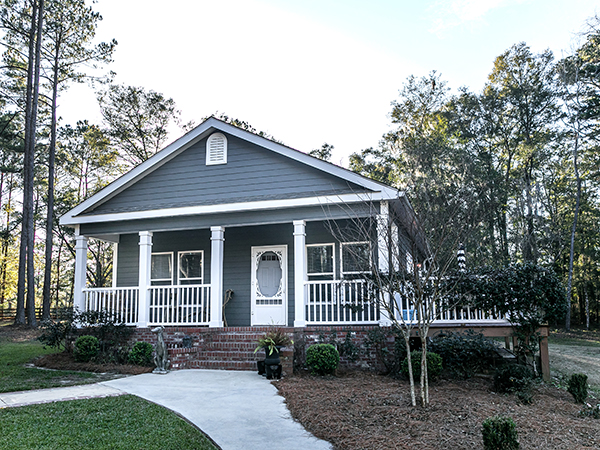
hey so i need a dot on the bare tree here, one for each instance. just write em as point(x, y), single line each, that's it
point(406, 272)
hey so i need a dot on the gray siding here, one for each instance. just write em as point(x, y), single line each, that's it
point(237, 259)
point(128, 255)
point(252, 173)
point(238, 265)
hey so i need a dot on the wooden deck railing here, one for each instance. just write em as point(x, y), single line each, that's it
point(337, 302)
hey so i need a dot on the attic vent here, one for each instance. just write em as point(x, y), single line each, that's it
point(216, 149)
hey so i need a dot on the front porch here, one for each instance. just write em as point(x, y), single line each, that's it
point(331, 303)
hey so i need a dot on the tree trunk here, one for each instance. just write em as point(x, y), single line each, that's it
point(573, 229)
point(587, 309)
point(27, 164)
point(31, 319)
point(5, 242)
point(46, 295)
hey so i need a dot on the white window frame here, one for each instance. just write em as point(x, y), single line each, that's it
point(324, 274)
point(162, 279)
point(201, 279)
point(213, 162)
point(342, 244)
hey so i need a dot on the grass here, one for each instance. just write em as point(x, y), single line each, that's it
point(14, 376)
point(572, 341)
point(114, 423)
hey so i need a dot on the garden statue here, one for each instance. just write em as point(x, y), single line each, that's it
point(161, 358)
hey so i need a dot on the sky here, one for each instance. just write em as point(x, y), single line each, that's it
point(314, 71)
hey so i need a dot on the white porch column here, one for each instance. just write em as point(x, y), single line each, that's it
point(217, 240)
point(384, 239)
point(81, 249)
point(144, 277)
point(299, 273)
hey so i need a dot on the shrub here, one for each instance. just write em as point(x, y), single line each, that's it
point(322, 359)
point(141, 354)
point(377, 340)
point(578, 387)
point(103, 325)
point(590, 411)
point(464, 355)
point(513, 378)
point(55, 334)
point(499, 433)
point(434, 365)
point(86, 348)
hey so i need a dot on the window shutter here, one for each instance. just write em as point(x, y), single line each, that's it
point(216, 149)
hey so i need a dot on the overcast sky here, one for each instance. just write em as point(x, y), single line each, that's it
point(315, 71)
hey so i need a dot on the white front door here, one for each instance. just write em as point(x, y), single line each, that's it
point(269, 285)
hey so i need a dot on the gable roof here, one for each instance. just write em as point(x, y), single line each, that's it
point(84, 212)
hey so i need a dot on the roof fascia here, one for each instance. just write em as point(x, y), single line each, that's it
point(229, 207)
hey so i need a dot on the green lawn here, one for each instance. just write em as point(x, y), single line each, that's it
point(14, 376)
point(124, 422)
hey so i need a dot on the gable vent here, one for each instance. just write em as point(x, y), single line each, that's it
point(216, 149)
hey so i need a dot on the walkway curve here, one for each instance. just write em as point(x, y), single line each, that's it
point(238, 410)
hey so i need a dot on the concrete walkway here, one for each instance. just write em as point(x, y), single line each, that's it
point(238, 410)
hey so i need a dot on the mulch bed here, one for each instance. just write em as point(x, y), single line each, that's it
point(369, 411)
point(65, 361)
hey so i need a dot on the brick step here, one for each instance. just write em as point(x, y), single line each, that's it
point(225, 356)
point(244, 346)
point(224, 365)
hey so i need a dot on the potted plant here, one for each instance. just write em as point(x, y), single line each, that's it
point(273, 341)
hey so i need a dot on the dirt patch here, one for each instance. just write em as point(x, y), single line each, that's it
point(65, 361)
point(17, 333)
point(366, 411)
point(566, 360)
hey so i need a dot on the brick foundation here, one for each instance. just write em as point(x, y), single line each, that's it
point(233, 348)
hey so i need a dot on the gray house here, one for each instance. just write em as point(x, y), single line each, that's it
point(223, 215)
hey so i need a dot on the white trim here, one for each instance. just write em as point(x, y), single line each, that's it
point(170, 280)
point(197, 134)
point(115, 261)
point(226, 208)
point(145, 273)
point(79, 282)
point(324, 274)
point(217, 245)
point(342, 273)
point(284, 282)
point(179, 253)
point(214, 154)
point(300, 276)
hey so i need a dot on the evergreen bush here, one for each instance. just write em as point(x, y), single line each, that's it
point(434, 365)
point(464, 354)
point(513, 378)
point(500, 433)
point(322, 359)
point(86, 348)
point(578, 387)
point(141, 354)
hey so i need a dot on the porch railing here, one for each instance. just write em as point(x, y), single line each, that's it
point(168, 305)
point(121, 303)
point(340, 302)
point(179, 305)
point(336, 302)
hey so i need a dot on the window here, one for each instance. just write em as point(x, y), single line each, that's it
point(216, 149)
point(190, 267)
point(161, 271)
point(320, 261)
point(356, 257)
